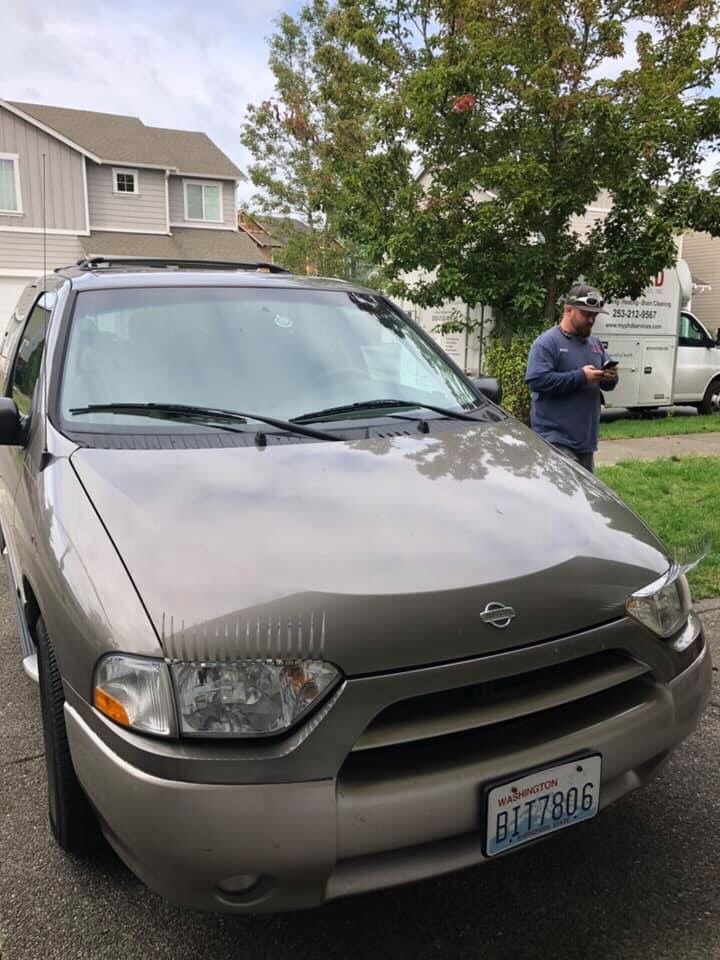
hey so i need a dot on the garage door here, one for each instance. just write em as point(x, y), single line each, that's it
point(10, 290)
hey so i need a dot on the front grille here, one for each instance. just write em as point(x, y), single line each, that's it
point(417, 773)
point(533, 699)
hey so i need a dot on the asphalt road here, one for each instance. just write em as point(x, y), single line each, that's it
point(639, 881)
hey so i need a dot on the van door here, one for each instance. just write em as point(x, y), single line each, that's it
point(697, 361)
point(657, 369)
point(627, 351)
point(23, 366)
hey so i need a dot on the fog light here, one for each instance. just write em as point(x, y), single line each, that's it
point(241, 883)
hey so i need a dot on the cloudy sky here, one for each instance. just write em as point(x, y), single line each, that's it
point(174, 63)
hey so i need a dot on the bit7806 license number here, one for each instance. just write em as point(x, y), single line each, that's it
point(530, 806)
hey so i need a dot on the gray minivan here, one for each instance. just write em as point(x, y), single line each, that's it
point(310, 614)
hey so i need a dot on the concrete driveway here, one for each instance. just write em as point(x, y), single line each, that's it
point(639, 881)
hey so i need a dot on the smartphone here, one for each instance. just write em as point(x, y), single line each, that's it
point(610, 364)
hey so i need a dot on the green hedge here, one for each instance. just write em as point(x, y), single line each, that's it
point(507, 360)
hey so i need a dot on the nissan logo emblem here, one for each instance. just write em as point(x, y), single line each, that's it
point(498, 614)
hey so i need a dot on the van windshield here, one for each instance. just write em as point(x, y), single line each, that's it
point(279, 352)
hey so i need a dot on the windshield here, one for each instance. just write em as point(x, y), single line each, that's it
point(283, 353)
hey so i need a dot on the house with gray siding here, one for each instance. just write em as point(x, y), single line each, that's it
point(76, 183)
point(701, 251)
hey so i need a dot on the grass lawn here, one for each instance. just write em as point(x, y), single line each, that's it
point(679, 499)
point(660, 427)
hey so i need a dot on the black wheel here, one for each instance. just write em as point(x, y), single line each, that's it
point(710, 403)
point(72, 819)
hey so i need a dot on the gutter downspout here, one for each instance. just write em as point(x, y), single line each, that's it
point(167, 202)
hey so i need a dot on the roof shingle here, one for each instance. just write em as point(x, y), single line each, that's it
point(121, 139)
point(186, 243)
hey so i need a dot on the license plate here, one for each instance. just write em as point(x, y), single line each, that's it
point(541, 802)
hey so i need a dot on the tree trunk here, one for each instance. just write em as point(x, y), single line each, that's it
point(550, 311)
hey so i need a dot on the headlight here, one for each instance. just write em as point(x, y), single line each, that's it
point(248, 698)
point(136, 693)
point(664, 605)
point(245, 698)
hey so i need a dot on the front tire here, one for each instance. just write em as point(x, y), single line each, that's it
point(710, 403)
point(72, 819)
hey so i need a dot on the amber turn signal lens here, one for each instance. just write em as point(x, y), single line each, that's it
point(135, 692)
point(110, 707)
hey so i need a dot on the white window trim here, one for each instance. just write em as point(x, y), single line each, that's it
point(15, 157)
point(20, 273)
point(136, 181)
point(153, 233)
point(202, 225)
point(202, 183)
point(50, 230)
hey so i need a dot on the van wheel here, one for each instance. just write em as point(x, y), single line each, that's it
point(72, 819)
point(710, 403)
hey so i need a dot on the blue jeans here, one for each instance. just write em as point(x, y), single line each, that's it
point(585, 459)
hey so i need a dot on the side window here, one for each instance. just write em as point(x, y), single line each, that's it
point(690, 333)
point(26, 369)
point(17, 319)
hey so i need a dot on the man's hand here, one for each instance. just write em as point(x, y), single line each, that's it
point(593, 374)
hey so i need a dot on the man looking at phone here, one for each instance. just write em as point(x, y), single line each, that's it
point(566, 370)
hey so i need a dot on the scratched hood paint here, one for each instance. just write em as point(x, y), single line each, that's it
point(375, 554)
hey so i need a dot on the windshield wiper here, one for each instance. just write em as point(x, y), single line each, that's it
point(379, 404)
point(182, 411)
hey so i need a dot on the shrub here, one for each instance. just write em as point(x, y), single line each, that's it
point(507, 361)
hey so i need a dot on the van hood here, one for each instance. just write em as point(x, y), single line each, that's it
point(375, 554)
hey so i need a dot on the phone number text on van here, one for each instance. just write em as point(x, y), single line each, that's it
point(626, 314)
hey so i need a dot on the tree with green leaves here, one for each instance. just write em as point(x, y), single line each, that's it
point(296, 138)
point(482, 128)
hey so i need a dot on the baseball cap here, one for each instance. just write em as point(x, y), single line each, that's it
point(585, 298)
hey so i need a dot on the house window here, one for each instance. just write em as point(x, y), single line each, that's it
point(9, 184)
point(203, 201)
point(125, 181)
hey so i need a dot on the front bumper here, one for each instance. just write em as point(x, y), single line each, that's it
point(402, 812)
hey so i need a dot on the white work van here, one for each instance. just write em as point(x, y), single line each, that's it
point(666, 356)
point(464, 346)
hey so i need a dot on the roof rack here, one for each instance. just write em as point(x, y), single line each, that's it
point(94, 263)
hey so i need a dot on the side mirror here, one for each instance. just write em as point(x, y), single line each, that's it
point(489, 387)
point(10, 430)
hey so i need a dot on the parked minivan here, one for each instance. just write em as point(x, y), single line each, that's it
point(309, 613)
